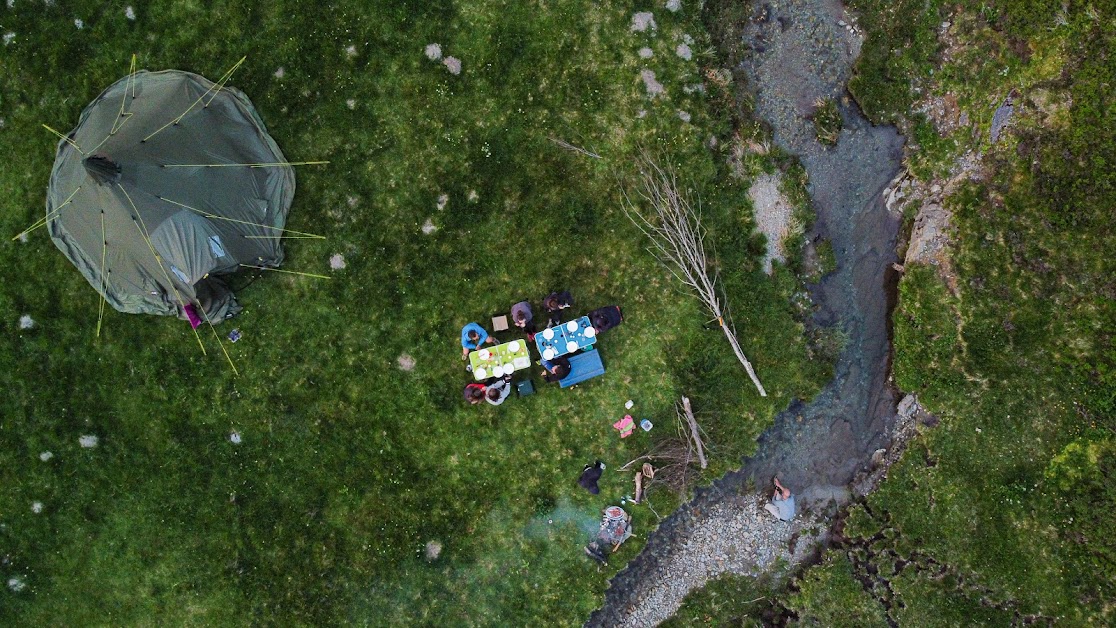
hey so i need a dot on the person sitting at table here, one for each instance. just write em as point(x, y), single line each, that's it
point(556, 369)
point(554, 303)
point(475, 393)
point(522, 318)
point(473, 336)
point(605, 318)
point(498, 392)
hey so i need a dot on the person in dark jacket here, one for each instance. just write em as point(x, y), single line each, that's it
point(554, 303)
point(589, 476)
point(556, 369)
point(605, 318)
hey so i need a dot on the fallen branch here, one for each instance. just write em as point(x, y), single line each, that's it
point(678, 242)
point(694, 431)
point(571, 147)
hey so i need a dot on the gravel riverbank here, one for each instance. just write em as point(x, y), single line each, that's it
point(801, 52)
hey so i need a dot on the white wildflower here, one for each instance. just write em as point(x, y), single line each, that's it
point(429, 227)
point(88, 441)
point(643, 21)
point(683, 116)
point(684, 51)
point(36, 507)
point(454, 65)
point(442, 200)
point(350, 103)
point(337, 261)
point(26, 322)
point(280, 72)
point(433, 51)
point(646, 53)
point(350, 52)
point(78, 23)
point(234, 437)
point(46, 455)
point(9, 37)
point(472, 196)
point(16, 584)
point(674, 6)
point(129, 12)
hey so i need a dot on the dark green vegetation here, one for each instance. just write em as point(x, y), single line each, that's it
point(349, 464)
point(1002, 513)
point(827, 121)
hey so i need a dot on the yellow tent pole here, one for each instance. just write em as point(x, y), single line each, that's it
point(224, 78)
point(151, 247)
point(259, 165)
point(218, 337)
point(243, 222)
point(289, 272)
point(68, 140)
point(44, 220)
point(104, 253)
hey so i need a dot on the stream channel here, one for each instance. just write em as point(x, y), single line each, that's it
point(801, 52)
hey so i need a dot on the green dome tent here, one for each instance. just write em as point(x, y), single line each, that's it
point(169, 183)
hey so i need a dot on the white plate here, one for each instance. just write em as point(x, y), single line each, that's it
point(485, 354)
point(571, 346)
point(572, 325)
point(513, 346)
point(498, 371)
point(590, 332)
point(548, 354)
point(480, 373)
point(548, 333)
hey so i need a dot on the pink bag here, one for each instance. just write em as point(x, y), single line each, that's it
point(625, 425)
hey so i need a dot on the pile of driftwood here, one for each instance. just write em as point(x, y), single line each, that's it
point(675, 462)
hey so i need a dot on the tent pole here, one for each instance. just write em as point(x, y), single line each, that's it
point(151, 247)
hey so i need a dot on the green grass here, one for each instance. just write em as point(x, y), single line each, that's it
point(349, 465)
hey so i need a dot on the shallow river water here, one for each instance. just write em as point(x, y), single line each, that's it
point(803, 51)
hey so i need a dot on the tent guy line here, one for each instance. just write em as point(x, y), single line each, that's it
point(151, 247)
point(44, 220)
point(243, 222)
point(290, 272)
point(219, 85)
point(67, 139)
point(271, 165)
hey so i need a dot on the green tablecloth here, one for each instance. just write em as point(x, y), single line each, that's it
point(500, 360)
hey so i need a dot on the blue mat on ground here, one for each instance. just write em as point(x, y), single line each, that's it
point(582, 367)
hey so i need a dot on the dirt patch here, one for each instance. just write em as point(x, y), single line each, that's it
point(773, 213)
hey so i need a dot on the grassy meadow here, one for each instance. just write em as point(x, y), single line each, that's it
point(449, 201)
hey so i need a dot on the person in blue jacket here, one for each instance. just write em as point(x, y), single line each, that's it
point(472, 337)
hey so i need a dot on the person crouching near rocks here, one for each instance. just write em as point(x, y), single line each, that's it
point(781, 505)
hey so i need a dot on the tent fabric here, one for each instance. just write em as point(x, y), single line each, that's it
point(171, 235)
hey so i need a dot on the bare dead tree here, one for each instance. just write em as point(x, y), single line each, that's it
point(577, 149)
point(677, 237)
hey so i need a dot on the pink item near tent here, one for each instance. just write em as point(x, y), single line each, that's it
point(192, 316)
point(625, 425)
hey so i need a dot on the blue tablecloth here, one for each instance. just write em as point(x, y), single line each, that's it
point(563, 340)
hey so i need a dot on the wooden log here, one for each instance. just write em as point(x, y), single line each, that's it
point(694, 431)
